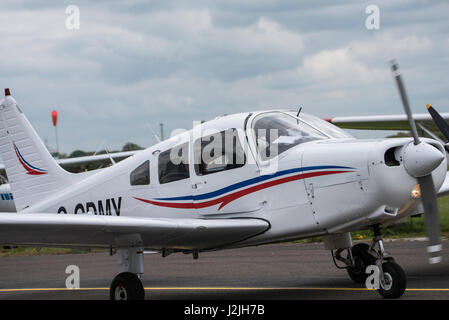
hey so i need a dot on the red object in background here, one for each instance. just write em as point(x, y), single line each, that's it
point(54, 117)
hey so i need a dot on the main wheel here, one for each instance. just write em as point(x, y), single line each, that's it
point(362, 259)
point(395, 281)
point(126, 286)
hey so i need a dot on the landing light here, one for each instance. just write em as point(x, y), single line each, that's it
point(416, 192)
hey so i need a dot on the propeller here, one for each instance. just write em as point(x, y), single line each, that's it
point(439, 121)
point(424, 177)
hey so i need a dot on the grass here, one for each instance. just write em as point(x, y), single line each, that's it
point(29, 251)
point(411, 226)
point(407, 228)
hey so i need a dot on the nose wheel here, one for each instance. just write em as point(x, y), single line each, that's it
point(394, 280)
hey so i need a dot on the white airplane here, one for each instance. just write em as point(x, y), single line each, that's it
point(240, 180)
point(7, 198)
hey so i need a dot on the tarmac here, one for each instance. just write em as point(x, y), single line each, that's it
point(292, 271)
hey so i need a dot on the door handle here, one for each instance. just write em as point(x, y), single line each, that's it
point(198, 185)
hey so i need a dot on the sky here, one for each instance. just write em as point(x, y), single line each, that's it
point(133, 64)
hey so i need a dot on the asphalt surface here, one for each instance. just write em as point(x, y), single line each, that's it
point(282, 271)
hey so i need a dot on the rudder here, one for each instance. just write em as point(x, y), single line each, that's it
point(32, 172)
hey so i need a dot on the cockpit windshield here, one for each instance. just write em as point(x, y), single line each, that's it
point(276, 132)
point(328, 128)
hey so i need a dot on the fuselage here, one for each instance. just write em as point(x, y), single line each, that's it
point(319, 180)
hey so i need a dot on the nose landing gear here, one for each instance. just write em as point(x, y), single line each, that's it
point(392, 278)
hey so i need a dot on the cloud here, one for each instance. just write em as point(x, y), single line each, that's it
point(136, 63)
point(337, 65)
point(263, 37)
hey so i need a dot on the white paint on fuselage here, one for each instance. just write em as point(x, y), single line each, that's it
point(370, 193)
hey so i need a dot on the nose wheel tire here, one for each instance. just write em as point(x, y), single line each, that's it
point(362, 259)
point(395, 281)
point(126, 286)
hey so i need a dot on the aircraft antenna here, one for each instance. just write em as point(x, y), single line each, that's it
point(162, 131)
point(110, 157)
point(297, 115)
point(154, 134)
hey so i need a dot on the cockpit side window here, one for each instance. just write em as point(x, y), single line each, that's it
point(218, 152)
point(141, 175)
point(173, 164)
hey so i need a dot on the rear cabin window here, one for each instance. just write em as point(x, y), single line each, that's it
point(173, 164)
point(141, 175)
point(218, 152)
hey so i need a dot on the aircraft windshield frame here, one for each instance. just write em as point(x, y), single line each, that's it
point(329, 129)
point(276, 132)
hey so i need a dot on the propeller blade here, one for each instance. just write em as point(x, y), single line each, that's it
point(428, 193)
point(439, 121)
point(397, 76)
point(431, 217)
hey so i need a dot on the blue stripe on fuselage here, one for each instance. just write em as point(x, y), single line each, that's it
point(248, 182)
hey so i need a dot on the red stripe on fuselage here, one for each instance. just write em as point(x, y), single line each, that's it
point(233, 196)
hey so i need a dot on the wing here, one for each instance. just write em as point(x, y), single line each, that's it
point(40, 229)
point(385, 122)
point(82, 160)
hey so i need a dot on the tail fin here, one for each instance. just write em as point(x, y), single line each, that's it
point(32, 172)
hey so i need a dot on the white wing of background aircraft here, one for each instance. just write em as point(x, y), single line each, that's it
point(386, 122)
point(87, 159)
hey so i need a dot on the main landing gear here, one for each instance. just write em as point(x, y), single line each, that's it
point(392, 280)
point(127, 284)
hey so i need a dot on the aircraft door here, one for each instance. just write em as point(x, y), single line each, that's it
point(286, 202)
point(174, 193)
point(222, 177)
